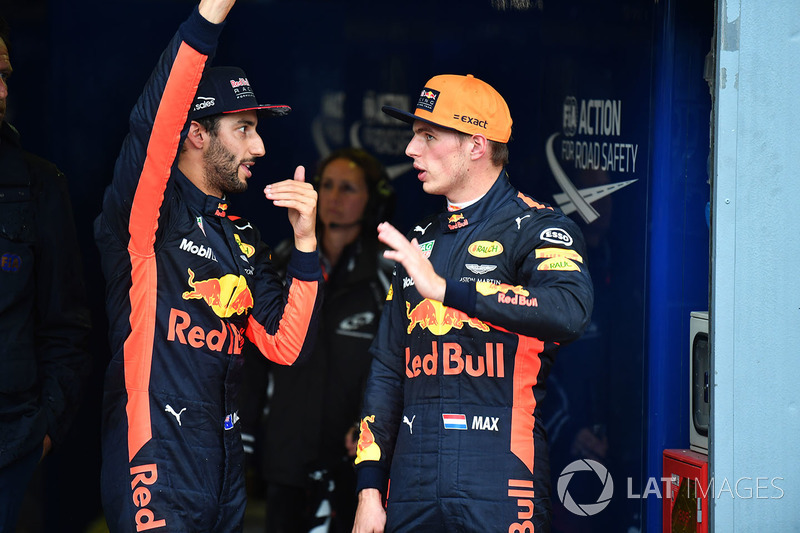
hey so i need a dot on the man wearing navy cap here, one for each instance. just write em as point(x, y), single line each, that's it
point(483, 295)
point(186, 283)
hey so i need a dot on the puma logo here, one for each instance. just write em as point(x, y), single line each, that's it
point(421, 229)
point(170, 410)
point(409, 422)
point(520, 219)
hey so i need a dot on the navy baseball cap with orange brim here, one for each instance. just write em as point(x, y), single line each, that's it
point(227, 90)
point(461, 103)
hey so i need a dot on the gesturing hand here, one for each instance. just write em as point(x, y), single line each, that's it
point(215, 11)
point(301, 200)
point(426, 280)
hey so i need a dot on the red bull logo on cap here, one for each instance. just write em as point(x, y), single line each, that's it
point(227, 296)
point(427, 99)
point(240, 82)
point(438, 318)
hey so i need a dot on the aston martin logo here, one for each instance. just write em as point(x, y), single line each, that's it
point(480, 269)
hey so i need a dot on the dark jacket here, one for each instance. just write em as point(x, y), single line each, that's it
point(312, 405)
point(44, 320)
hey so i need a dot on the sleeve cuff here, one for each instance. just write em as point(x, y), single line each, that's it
point(370, 477)
point(304, 266)
point(461, 296)
point(201, 34)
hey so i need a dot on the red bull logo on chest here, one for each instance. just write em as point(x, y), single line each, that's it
point(227, 339)
point(454, 361)
point(227, 296)
point(438, 318)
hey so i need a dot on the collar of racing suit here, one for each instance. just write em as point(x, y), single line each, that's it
point(487, 205)
point(206, 204)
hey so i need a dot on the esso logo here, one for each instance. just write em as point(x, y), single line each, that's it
point(556, 236)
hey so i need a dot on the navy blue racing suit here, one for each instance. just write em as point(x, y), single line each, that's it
point(186, 284)
point(451, 412)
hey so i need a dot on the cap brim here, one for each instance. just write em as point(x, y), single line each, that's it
point(270, 110)
point(409, 118)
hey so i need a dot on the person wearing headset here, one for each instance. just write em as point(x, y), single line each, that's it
point(308, 446)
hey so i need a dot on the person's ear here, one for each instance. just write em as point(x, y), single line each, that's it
point(197, 135)
point(478, 146)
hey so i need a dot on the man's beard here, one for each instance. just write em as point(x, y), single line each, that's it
point(222, 168)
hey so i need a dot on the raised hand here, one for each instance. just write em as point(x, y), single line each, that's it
point(215, 11)
point(426, 280)
point(300, 199)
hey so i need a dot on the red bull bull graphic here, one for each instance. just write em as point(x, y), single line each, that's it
point(427, 99)
point(221, 210)
point(454, 361)
point(368, 450)
point(227, 296)
point(520, 295)
point(456, 221)
point(438, 318)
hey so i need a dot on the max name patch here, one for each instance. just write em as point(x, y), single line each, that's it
point(427, 99)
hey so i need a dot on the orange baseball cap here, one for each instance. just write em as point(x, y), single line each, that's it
point(461, 103)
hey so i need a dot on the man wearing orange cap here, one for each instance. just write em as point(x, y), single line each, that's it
point(483, 295)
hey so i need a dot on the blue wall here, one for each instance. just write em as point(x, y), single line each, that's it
point(756, 301)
